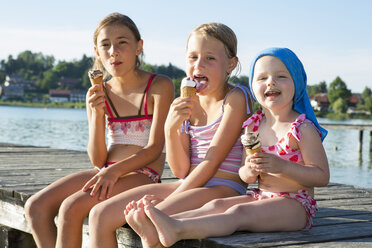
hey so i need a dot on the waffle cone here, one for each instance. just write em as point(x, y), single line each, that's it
point(188, 91)
point(95, 81)
point(252, 151)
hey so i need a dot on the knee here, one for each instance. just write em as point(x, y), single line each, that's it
point(97, 216)
point(71, 208)
point(34, 208)
point(239, 210)
point(217, 204)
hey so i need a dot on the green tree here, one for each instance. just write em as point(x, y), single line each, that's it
point(177, 86)
point(368, 103)
point(317, 88)
point(49, 81)
point(367, 92)
point(340, 106)
point(338, 89)
point(243, 80)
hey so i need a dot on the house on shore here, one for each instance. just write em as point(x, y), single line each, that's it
point(15, 86)
point(320, 102)
point(59, 95)
point(66, 95)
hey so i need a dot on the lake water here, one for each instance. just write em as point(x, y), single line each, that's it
point(68, 129)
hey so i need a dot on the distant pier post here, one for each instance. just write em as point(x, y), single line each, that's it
point(370, 141)
point(360, 146)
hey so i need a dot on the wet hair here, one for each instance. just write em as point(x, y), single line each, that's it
point(116, 19)
point(222, 33)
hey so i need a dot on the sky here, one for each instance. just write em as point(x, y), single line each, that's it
point(332, 38)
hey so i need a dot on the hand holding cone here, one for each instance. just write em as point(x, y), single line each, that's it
point(251, 143)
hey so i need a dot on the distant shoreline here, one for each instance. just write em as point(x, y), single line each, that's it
point(67, 105)
point(81, 105)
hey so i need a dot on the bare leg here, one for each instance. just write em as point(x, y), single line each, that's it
point(76, 207)
point(277, 214)
point(214, 207)
point(42, 208)
point(141, 224)
point(107, 216)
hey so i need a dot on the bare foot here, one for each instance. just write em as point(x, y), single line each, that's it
point(137, 219)
point(166, 226)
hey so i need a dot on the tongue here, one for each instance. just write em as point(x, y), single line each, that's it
point(200, 86)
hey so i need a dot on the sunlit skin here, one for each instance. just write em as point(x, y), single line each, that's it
point(274, 89)
point(208, 63)
point(73, 196)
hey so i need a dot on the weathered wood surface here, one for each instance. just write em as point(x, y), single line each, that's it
point(344, 219)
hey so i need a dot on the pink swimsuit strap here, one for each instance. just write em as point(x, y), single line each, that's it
point(110, 106)
point(282, 148)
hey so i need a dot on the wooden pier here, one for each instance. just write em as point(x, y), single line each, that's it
point(360, 127)
point(344, 218)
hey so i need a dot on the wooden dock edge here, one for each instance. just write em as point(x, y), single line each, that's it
point(344, 219)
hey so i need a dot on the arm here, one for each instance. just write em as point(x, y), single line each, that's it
point(162, 95)
point(177, 143)
point(314, 172)
point(97, 150)
point(226, 135)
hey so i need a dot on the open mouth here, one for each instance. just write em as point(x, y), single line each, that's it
point(201, 82)
point(272, 93)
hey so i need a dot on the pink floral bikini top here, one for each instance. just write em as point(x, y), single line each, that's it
point(282, 148)
point(129, 130)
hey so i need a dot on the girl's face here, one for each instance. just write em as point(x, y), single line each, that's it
point(117, 49)
point(272, 83)
point(207, 62)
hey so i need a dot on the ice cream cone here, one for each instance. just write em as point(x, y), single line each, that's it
point(188, 91)
point(96, 77)
point(251, 143)
point(188, 87)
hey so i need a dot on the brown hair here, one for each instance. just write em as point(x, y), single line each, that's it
point(116, 19)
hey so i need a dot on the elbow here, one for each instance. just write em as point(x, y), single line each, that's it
point(323, 180)
point(249, 180)
point(179, 174)
point(97, 160)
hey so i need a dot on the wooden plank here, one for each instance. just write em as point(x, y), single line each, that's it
point(299, 238)
point(345, 214)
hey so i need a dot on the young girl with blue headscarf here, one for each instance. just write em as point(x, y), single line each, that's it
point(291, 163)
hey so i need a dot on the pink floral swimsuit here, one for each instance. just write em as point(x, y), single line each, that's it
point(284, 151)
point(131, 130)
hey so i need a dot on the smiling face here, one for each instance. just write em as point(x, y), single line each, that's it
point(272, 83)
point(207, 62)
point(117, 49)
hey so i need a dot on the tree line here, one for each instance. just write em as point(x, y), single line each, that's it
point(46, 72)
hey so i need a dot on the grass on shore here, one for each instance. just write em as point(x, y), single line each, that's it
point(76, 105)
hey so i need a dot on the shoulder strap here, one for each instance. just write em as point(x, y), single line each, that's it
point(110, 103)
point(247, 94)
point(144, 98)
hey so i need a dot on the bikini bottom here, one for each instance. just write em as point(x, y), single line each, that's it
point(303, 197)
point(216, 181)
